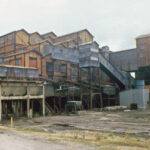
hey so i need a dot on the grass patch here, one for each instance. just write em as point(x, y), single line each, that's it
point(90, 138)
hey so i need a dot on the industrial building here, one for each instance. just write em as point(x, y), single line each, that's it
point(40, 73)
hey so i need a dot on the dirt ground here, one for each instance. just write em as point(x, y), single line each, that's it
point(112, 130)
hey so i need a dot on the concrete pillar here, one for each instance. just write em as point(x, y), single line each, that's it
point(21, 108)
point(28, 103)
point(43, 101)
point(17, 108)
point(28, 108)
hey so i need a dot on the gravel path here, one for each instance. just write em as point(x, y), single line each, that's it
point(14, 141)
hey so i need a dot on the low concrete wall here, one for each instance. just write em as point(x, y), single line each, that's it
point(137, 96)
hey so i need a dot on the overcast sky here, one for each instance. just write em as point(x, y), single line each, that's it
point(115, 23)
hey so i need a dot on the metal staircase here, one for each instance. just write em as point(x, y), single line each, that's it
point(89, 56)
point(121, 78)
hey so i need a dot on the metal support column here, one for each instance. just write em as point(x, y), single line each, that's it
point(28, 103)
point(43, 101)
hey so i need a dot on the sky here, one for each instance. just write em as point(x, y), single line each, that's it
point(115, 23)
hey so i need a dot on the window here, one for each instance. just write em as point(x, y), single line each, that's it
point(142, 55)
point(49, 67)
point(142, 47)
point(39, 40)
point(1, 40)
point(1, 60)
point(64, 68)
point(73, 73)
point(32, 39)
point(33, 62)
point(73, 65)
point(9, 37)
point(142, 62)
point(6, 63)
point(1, 55)
point(20, 50)
point(12, 52)
point(56, 67)
point(17, 62)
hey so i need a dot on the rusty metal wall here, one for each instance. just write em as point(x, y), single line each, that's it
point(18, 72)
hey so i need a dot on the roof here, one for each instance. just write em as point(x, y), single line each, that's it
point(143, 36)
point(37, 34)
point(75, 33)
point(15, 31)
point(121, 51)
point(49, 33)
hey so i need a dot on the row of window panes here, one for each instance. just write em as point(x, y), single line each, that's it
point(59, 68)
point(62, 68)
point(16, 62)
point(9, 38)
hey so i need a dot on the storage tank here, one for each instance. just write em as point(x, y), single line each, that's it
point(139, 84)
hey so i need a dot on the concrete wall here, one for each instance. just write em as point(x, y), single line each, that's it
point(137, 96)
point(20, 89)
point(124, 60)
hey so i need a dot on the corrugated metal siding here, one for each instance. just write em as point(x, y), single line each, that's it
point(125, 60)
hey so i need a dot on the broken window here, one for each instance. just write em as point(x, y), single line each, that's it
point(64, 68)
